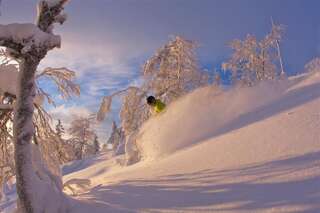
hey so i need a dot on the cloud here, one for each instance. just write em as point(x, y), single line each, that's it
point(67, 113)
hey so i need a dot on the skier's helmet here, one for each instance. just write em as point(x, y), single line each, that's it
point(151, 100)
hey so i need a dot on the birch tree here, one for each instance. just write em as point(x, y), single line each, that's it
point(253, 61)
point(82, 136)
point(173, 70)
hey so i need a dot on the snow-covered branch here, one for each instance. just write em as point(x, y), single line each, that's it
point(29, 44)
point(49, 13)
point(63, 79)
point(22, 38)
point(107, 101)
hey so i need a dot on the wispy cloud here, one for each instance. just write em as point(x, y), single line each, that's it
point(67, 113)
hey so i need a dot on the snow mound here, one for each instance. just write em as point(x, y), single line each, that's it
point(208, 113)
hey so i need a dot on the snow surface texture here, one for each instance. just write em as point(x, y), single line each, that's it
point(245, 150)
point(28, 35)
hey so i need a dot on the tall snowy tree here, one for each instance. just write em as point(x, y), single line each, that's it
point(116, 136)
point(170, 73)
point(29, 44)
point(133, 111)
point(253, 60)
point(82, 135)
point(173, 70)
point(114, 132)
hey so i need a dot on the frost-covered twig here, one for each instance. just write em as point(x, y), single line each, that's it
point(107, 101)
point(63, 79)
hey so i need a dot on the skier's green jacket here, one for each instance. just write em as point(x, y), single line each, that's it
point(159, 106)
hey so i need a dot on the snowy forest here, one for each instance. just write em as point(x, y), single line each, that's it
point(181, 136)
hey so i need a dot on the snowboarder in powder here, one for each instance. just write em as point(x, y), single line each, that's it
point(156, 104)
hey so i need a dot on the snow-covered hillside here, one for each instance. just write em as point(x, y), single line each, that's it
point(243, 150)
point(246, 150)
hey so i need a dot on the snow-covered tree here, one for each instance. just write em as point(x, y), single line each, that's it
point(53, 148)
point(28, 44)
point(133, 111)
point(116, 137)
point(253, 60)
point(173, 70)
point(82, 136)
point(63, 79)
point(313, 65)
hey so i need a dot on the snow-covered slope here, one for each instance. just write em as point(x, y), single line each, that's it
point(272, 114)
point(244, 150)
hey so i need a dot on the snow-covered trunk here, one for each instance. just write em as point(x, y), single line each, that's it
point(23, 133)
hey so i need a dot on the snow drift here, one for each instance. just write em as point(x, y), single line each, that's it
point(243, 150)
point(209, 112)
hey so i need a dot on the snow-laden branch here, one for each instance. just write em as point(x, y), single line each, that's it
point(63, 79)
point(106, 103)
point(22, 38)
point(49, 13)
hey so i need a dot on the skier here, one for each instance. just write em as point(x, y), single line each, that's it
point(157, 105)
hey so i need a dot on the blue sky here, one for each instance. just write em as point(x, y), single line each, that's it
point(107, 41)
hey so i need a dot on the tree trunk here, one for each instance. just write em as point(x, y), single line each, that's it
point(23, 133)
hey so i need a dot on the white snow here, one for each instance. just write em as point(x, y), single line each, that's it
point(245, 150)
point(52, 3)
point(28, 35)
